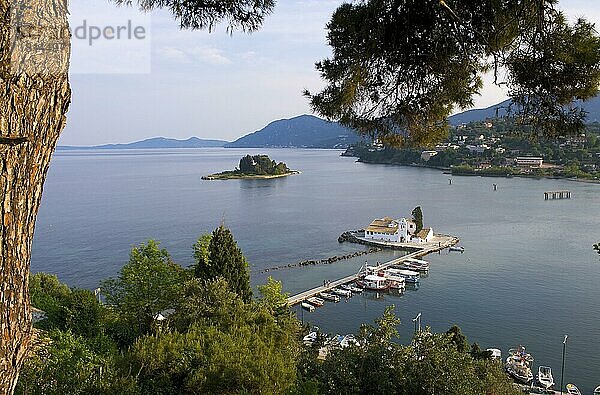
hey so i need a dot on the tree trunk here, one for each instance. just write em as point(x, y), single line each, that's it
point(34, 99)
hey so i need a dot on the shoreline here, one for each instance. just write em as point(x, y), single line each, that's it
point(221, 176)
point(448, 170)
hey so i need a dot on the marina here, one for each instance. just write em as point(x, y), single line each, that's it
point(438, 243)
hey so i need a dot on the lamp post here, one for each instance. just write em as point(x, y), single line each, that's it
point(562, 369)
point(416, 320)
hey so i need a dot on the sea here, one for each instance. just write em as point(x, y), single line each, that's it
point(528, 275)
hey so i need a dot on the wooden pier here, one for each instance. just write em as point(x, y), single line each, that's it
point(443, 244)
point(551, 195)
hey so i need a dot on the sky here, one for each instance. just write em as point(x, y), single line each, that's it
point(159, 80)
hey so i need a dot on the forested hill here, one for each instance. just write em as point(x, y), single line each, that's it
point(304, 131)
point(498, 110)
point(157, 142)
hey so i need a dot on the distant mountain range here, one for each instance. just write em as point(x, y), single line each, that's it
point(156, 142)
point(592, 106)
point(304, 131)
point(308, 131)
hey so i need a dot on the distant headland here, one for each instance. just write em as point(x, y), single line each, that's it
point(254, 167)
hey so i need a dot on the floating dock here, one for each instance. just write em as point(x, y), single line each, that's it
point(441, 242)
point(551, 195)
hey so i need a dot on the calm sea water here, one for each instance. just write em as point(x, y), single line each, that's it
point(528, 275)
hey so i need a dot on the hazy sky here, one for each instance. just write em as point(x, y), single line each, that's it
point(179, 84)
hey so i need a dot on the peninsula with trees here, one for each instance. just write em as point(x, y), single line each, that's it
point(254, 166)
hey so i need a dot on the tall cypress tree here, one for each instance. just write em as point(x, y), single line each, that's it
point(417, 214)
point(227, 261)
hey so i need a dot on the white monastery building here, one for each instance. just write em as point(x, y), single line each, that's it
point(401, 230)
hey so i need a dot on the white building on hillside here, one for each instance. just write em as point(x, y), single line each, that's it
point(395, 230)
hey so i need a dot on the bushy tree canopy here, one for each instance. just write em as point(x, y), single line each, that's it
point(246, 15)
point(399, 68)
point(261, 164)
point(148, 284)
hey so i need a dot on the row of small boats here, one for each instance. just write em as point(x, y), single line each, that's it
point(335, 295)
point(375, 279)
point(518, 366)
point(329, 342)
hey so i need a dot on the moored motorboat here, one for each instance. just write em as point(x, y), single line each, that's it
point(349, 340)
point(318, 302)
point(517, 365)
point(342, 292)
point(351, 288)
point(572, 389)
point(416, 264)
point(311, 338)
point(396, 282)
point(495, 353)
point(334, 341)
point(597, 390)
point(519, 371)
point(455, 248)
point(375, 283)
point(328, 296)
point(544, 377)
point(308, 306)
point(410, 276)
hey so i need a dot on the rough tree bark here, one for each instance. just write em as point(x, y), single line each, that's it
point(34, 99)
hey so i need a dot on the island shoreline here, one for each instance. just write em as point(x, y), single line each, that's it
point(221, 176)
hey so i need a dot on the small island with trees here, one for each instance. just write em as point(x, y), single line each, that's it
point(254, 166)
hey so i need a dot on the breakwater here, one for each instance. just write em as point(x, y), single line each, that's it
point(324, 261)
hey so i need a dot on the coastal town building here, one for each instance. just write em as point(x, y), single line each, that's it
point(532, 162)
point(426, 155)
point(401, 230)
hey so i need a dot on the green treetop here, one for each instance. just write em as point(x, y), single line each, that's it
point(261, 165)
point(223, 258)
point(399, 68)
point(148, 284)
point(417, 215)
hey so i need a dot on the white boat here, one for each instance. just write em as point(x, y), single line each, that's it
point(544, 377)
point(396, 282)
point(351, 288)
point(334, 341)
point(318, 302)
point(348, 340)
point(519, 371)
point(459, 249)
point(375, 283)
point(416, 264)
point(572, 389)
point(495, 353)
point(308, 306)
point(328, 296)
point(342, 292)
point(309, 339)
point(410, 276)
point(517, 365)
point(597, 390)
